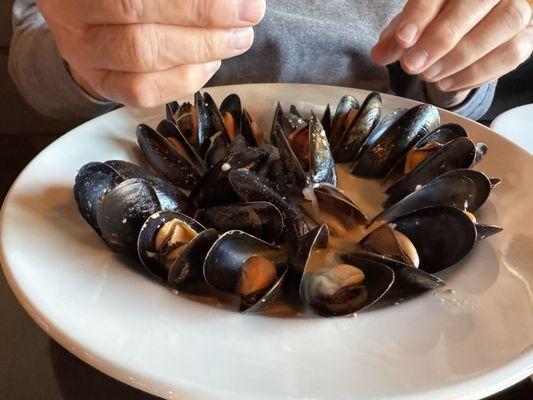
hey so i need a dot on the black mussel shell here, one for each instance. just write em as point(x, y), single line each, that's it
point(176, 138)
point(214, 118)
point(486, 230)
point(380, 129)
point(250, 130)
point(260, 219)
point(278, 113)
point(291, 123)
point(123, 211)
point(408, 281)
point(441, 235)
point(213, 188)
point(218, 150)
point(461, 188)
point(171, 110)
point(442, 135)
point(331, 200)
point(227, 257)
point(165, 159)
point(457, 154)
point(93, 181)
point(317, 238)
point(232, 105)
point(348, 146)
point(376, 161)
point(146, 247)
point(169, 196)
point(294, 173)
point(346, 105)
point(322, 165)
point(250, 187)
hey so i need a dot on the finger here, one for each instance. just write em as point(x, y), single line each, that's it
point(386, 50)
point(456, 19)
point(199, 13)
point(503, 59)
point(153, 88)
point(501, 25)
point(414, 18)
point(154, 47)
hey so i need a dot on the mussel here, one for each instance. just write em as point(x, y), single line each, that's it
point(333, 286)
point(173, 246)
point(241, 264)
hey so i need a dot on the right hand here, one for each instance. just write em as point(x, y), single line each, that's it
point(147, 52)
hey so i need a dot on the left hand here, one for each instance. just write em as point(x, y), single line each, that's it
point(459, 44)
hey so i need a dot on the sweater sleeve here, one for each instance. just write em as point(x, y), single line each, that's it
point(474, 106)
point(40, 73)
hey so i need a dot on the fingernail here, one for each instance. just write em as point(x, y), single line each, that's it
point(251, 10)
point(445, 84)
point(416, 59)
point(433, 71)
point(241, 38)
point(407, 33)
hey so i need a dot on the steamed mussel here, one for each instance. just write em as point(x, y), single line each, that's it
point(263, 219)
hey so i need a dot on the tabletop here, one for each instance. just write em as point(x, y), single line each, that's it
point(32, 365)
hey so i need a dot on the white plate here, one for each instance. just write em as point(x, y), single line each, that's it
point(515, 125)
point(469, 345)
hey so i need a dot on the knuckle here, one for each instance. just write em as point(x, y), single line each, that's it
point(142, 91)
point(201, 12)
point(516, 15)
point(143, 46)
point(445, 37)
point(519, 51)
point(208, 46)
point(132, 10)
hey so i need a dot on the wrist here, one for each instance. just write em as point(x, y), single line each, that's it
point(82, 83)
point(445, 99)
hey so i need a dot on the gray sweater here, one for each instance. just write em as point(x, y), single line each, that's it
point(305, 41)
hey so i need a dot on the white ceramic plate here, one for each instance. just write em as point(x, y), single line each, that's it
point(515, 125)
point(465, 345)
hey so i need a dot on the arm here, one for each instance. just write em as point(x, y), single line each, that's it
point(40, 73)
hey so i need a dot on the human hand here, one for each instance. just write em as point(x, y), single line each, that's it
point(148, 52)
point(459, 44)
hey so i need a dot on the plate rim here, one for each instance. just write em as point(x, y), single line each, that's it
point(522, 365)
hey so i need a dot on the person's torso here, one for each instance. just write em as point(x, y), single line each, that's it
point(315, 41)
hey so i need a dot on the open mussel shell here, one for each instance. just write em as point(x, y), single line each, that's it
point(171, 110)
point(326, 119)
point(231, 112)
point(344, 115)
point(226, 262)
point(293, 170)
point(123, 211)
point(169, 196)
point(461, 188)
point(250, 187)
point(442, 135)
point(334, 293)
point(214, 118)
point(171, 132)
point(326, 204)
point(291, 123)
point(218, 150)
point(457, 154)
point(441, 235)
point(166, 159)
point(365, 122)
point(213, 188)
point(181, 260)
point(391, 146)
point(93, 181)
point(276, 122)
point(260, 219)
point(407, 279)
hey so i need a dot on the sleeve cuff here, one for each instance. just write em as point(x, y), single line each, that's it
point(45, 80)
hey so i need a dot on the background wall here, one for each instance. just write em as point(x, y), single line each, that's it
point(18, 118)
